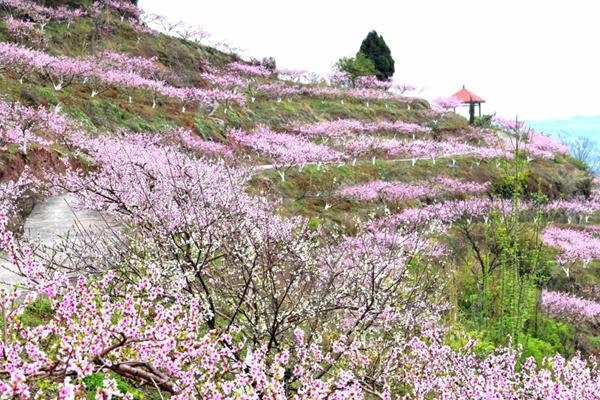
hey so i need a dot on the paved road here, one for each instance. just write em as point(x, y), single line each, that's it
point(49, 222)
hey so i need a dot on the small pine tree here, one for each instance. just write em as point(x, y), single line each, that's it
point(376, 50)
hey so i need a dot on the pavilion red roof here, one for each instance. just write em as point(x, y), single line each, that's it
point(466, 96)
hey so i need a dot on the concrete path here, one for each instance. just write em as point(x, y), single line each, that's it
point(51, 221)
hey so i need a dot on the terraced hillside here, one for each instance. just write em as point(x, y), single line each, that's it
point(274, 236)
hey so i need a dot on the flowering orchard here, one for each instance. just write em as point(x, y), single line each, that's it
point(62, 72)
point(284, 148)
point(208, 294)
point(144, 336)
point(214, 279)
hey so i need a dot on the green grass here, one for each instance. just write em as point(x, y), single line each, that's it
point(38, 312)
point(306, 191)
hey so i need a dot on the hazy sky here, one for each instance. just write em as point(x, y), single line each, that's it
point(538, 59)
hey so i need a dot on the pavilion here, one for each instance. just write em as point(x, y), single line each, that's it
point(471, 99)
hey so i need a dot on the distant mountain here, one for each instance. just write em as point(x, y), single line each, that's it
point(578, 126)
point(572, 132)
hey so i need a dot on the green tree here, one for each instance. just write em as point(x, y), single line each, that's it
point(355, 67)
point(508, 263)
point(376, 50)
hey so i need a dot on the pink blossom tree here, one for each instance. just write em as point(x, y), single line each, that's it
point(25, 32)
point(571, 308)
point(23, 125)
point(446, 104)
point(40, 13)
point(575, 246)
point(284, 149)
point(398, 191)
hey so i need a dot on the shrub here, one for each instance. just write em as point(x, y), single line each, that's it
point(450, 122)
point(485, 121)
point(507, 186)
point(355, 67)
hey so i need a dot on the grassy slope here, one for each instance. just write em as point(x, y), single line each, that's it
point(304, 191)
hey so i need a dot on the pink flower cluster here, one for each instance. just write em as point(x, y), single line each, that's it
point(396, 191)
point(458, 186)
point(529, 141)
point(437, 371)
point(574, 245)
point(371, 82)
point(224, 80)
point(11, 192)
point(446, 104)
point(364, 145)
point(346, 127)
point(250, 70)
point(391, 191)
point(40, 13)
point(570, 308)
point(342, 80)
point(283, 148)
point(22, 125)
point(280, 90)
point(574, 207)
point(339, 79)
point(145, 67)
point(543, 146)
point(25, 31)
point(192, 141)
point(451, 211)
point(445, 213)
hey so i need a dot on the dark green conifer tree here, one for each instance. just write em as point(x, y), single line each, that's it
point(375, 49)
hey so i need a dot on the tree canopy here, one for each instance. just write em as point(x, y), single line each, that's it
point(375, 49)
point(355, 67)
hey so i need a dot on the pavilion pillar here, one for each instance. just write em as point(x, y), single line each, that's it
point(471, 113)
